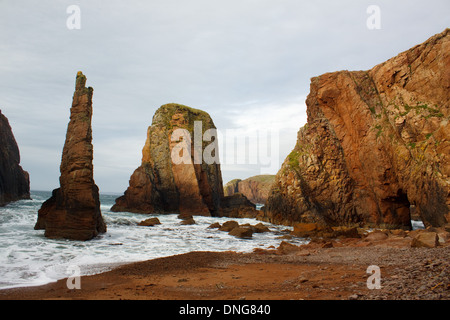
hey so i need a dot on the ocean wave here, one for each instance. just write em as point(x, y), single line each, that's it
point(27, 258)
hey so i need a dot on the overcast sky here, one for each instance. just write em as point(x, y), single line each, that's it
point(248, 63)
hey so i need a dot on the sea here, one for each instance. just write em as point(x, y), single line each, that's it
point(27, 258)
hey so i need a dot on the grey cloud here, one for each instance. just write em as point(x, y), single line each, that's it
point(213, 55)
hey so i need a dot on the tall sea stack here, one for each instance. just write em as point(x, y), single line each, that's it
point(161, 186)
point(73, 211)
point(14, 181)
point(376, 143)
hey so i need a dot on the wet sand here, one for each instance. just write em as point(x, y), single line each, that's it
point(309, 272)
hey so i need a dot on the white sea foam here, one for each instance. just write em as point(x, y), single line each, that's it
point(27, 258)
point(417, 224)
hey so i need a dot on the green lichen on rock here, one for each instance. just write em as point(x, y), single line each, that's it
point(164, 115)
point(80, 86)
point(293, 159)
point(367, 90)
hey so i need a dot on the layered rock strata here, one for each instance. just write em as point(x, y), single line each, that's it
point(14, 181)
point(256, 189)
point(73, 211)
point(376, 142)
point(174, 176)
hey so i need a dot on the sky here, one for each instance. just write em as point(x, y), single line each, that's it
point(248, 63)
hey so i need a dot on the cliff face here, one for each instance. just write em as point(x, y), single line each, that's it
point(238, 206)
point(375, 143)
point(256, 189)
point(73, 211)
point(231, 187)
point(14, 181)
point(161, 186)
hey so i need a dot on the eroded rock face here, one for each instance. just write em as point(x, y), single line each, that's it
point(376, 142)
point(231, 187)
point(14, 181)
point(238, 206)
point(161, 185)
point(256, 189)
point(73, 211)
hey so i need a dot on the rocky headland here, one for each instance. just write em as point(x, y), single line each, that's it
point(256, 189)
point(73, 211)
point(376, 143)
point(14, 181)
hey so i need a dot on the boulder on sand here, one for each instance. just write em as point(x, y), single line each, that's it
point(425, 240)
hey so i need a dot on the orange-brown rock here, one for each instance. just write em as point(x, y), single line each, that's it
point(377, 235)
point(149, 222)
point(73, 211)
point(376, 142)
point(256, 189)
point(237, 206)
point(425, 240)
point(160, 184)
point(14, 181)
point(231, 187)
point(229, 225)
point(241, 232)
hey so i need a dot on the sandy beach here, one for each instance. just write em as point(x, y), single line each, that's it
point(225, 153)
point(335, 270)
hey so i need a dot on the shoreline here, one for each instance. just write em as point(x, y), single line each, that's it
point(315, 271)
point(92, 270)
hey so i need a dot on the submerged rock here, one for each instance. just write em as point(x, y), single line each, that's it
point(376, 142)
point(260, 228)
point(149, 222)
point(229, 225)
point(14, 181)
point(241, 232)
point(188, 221)
point(73, 211)
point(214, 225)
